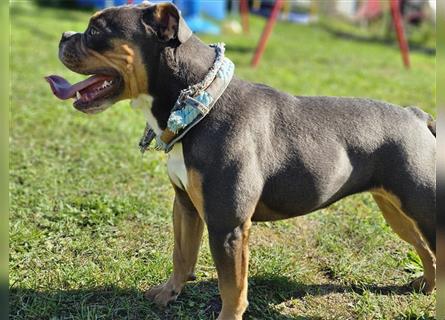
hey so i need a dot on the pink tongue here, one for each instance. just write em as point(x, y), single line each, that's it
point(62, 89)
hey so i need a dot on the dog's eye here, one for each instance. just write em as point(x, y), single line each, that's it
point(93, 32)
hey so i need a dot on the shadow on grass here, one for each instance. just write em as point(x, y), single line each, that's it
point(199, 300)
point(379, 40)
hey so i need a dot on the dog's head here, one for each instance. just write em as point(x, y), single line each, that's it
point(117, 50)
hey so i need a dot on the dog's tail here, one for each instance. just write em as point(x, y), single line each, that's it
point(427, 118)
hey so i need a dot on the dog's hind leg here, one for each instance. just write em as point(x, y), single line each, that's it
point(188, 228)
point(411, 232)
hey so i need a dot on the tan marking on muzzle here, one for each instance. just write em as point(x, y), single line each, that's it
point(125, 58)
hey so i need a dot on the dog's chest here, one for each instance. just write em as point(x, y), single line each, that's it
point(175, 162)
point(143, 102)
point(176, 166)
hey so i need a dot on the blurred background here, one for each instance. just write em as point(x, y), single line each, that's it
point(90, 220)
point(385, 20)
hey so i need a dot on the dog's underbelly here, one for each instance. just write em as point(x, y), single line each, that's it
point(284, 206)
point(303, 187)
point(269, 209)
point(264, 213)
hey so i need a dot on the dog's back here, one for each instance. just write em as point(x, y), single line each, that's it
point(313, 151)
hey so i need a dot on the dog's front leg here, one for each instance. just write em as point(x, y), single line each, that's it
point(188, 228)
point(230, 252)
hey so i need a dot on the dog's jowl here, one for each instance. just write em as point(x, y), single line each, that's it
point(242, 152)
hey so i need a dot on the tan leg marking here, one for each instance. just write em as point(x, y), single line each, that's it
point(232, 269)
point(188, 228)
point(194, 190)
point(407, 229)
point(231, 256)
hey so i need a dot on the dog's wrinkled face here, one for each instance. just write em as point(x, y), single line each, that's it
point(116, 49)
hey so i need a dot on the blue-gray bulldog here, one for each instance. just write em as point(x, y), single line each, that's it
point(240, 152)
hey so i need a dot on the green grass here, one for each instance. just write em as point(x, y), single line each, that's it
point(90, 225)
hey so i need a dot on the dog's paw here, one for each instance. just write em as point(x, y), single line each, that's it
point(162, 294)
point(421, 285)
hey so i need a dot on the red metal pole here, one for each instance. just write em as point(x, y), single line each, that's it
point(244, 8)
point(266, 32)
point(398, 25)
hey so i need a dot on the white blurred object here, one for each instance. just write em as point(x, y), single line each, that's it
point(303, 3)
point(347, 8)
point(432, 5)
point(232, 26)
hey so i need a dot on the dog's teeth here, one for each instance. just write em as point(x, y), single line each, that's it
point(78, 95)
point(105, 84)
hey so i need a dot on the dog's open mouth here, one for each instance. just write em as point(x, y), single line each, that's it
point(89, 93)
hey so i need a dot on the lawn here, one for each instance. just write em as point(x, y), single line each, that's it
point(90, 219)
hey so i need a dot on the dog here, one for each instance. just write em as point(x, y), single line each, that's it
point(259, 154)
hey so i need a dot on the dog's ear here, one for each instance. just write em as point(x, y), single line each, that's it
point(166, 21)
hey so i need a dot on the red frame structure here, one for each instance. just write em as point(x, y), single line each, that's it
point(396, 19)
point(398, 25)
point(266, 32)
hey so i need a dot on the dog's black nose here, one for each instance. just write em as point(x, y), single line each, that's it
point(66, 35)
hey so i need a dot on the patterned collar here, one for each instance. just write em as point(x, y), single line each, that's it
point(193, 104)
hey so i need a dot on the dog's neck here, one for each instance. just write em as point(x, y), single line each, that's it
point(177, 69)
point(181, 67)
